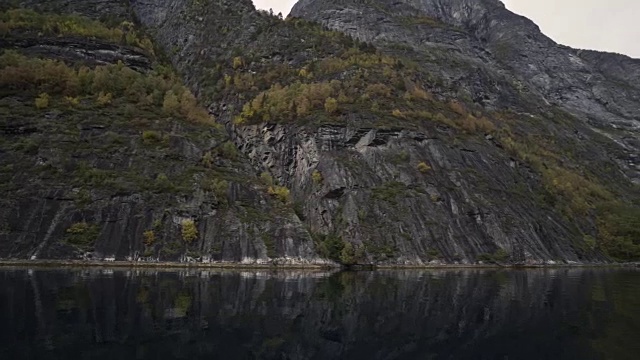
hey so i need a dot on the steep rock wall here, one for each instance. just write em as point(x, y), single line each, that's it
point(91, 173)
point(365, 188)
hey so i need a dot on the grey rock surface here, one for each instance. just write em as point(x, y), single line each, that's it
point(357, 182)
point(599, 88)
point(242, 226)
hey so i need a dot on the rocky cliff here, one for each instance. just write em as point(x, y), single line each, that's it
point(385, 132)
point(115, 160)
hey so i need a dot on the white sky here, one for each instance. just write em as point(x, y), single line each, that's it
point(283, 6)
point(612, 25)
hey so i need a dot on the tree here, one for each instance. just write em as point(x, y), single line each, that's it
point(237, 62)
point(171, 103)
point(189, 231)
point(42, 101)
point(149, 237)
point(331, 105)
point(104, 98)
point(349, 255)
point(317, 176)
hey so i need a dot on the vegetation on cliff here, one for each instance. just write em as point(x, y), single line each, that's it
point(352, 83)
point(90, 131)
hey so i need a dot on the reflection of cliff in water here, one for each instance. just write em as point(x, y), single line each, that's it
point(470, 314)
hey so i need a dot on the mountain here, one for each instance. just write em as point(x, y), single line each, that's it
point(117, 161)
point(400, 132)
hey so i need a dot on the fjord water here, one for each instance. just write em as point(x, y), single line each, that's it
point(437, 314)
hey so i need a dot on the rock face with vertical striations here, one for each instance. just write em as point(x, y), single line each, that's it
point(367, 132)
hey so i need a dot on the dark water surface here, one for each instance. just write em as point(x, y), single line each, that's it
point(443, 314)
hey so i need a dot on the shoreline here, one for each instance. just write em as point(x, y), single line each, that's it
point(277, 267)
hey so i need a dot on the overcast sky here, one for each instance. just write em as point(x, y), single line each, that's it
point(612, 25)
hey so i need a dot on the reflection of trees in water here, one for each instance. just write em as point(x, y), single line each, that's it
point(474, 314)
point(616, 315)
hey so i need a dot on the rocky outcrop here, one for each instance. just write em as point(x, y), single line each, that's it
point(370, 189)
point(90, 52)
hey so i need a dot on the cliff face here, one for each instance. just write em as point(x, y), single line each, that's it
point(447, 131)
point(599, 88)
point(105, 170)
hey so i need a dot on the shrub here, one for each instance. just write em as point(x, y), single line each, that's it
point(419, 93)
point(329, 246)
point(239, 120)
point(270, 245)
point(331, 105)
point(207, 159)
point(78, 228)
point(470, 124)
point(590, 241)
point(316, 176)
point(42, 101)
point(433, 254)
point(457, 107)
point(397, 113)
point(171, 103)
point(266, 178)
point(189, 231)
point(281, 193)
point(497, 257)
point(401, 157)
point(423, 167)
point(229, 150)
point(192, 111)
point(72, 101)
point(82, 234)
point(380, 251)
point(378, 90)
point(104, 98)
point(501, 255)
point(163, 184)
point(150, 137)
point(348, 254)
point(619, 231)
point(389, 191)
point(303, 107)
point(149, 237)
point(243, 81)
point(237, 62)
point(440, 118)
point(485, 125)
point(220, 188)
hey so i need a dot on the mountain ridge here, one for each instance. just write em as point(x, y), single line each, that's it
point(555, 72)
